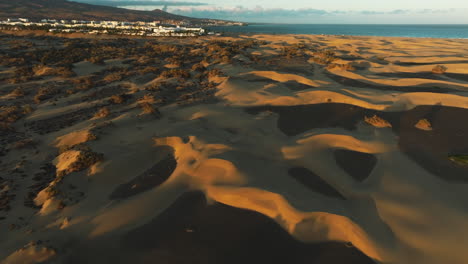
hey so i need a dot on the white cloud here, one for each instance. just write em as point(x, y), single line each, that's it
point(308, 15)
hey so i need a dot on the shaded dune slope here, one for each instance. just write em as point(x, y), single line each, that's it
point(429, 148)
point(192, 231)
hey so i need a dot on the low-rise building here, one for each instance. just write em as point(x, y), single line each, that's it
point(140, 28)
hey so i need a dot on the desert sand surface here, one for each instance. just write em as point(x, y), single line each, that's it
point(240, 149)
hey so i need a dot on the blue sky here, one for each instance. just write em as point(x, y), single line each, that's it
point(323, 11)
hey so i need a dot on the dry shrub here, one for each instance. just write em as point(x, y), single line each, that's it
point(25, 71)
point(174, 61)
point(360, 65)
point(164, 49)
point(344, 67)
point(101, 113)
point(439, 69)
point(296, 50)
point(149, 109)
point(17, 92)
point(155, 87)
point(71, 91)
point(214, 73)
point(85, 159)
point(461, 160)
point(10, 114)
point(176, 73)
point(85, 83)
point(181, 87)
point(113, 77)
point(377, 121)
point(324, 57)
point(45, 93)
point(65, 72)
point(149, 69)
point(119, 99)
point(27, 109)
point(25, 143)
point(147, 98)
point(198, 67)
point(4, 127)
point(144, 60)
point(91, 136)
point(43, 70)
point(96, 60)
point(226, 59)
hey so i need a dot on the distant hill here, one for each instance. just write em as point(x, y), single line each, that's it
point(62, 9)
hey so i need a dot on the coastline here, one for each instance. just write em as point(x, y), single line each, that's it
point(378, 30)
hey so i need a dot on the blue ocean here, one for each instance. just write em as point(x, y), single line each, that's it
point(419, 31)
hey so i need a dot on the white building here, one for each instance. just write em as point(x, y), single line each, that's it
point(100, 27)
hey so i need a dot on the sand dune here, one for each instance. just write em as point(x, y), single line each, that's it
point(256, 161)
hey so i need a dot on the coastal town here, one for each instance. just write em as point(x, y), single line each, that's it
point(139, 28)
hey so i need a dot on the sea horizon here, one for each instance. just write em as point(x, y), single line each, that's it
point(451, 31)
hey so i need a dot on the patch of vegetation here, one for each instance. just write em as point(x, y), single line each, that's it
point(296, 50)
point(85, 159)
point(10, 114)
point(150, 69)
point(198, 67)
point(155, 86)
point(45, 93)
point(101, 113)
point(344, 67)
point(115, 76)
point(22, 74)
point(43, 70)
point(324, 57)
point(214, 73)
point(25, 143)
point(85, 84)
point(149, 108)
point(439, 69)
point(98, 60)
point(175, 73)
point(119, 99)
point(174, 60)
point(459, 159)
point(18, 92)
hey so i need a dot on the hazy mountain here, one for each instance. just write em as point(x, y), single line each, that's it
point(62, 9)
